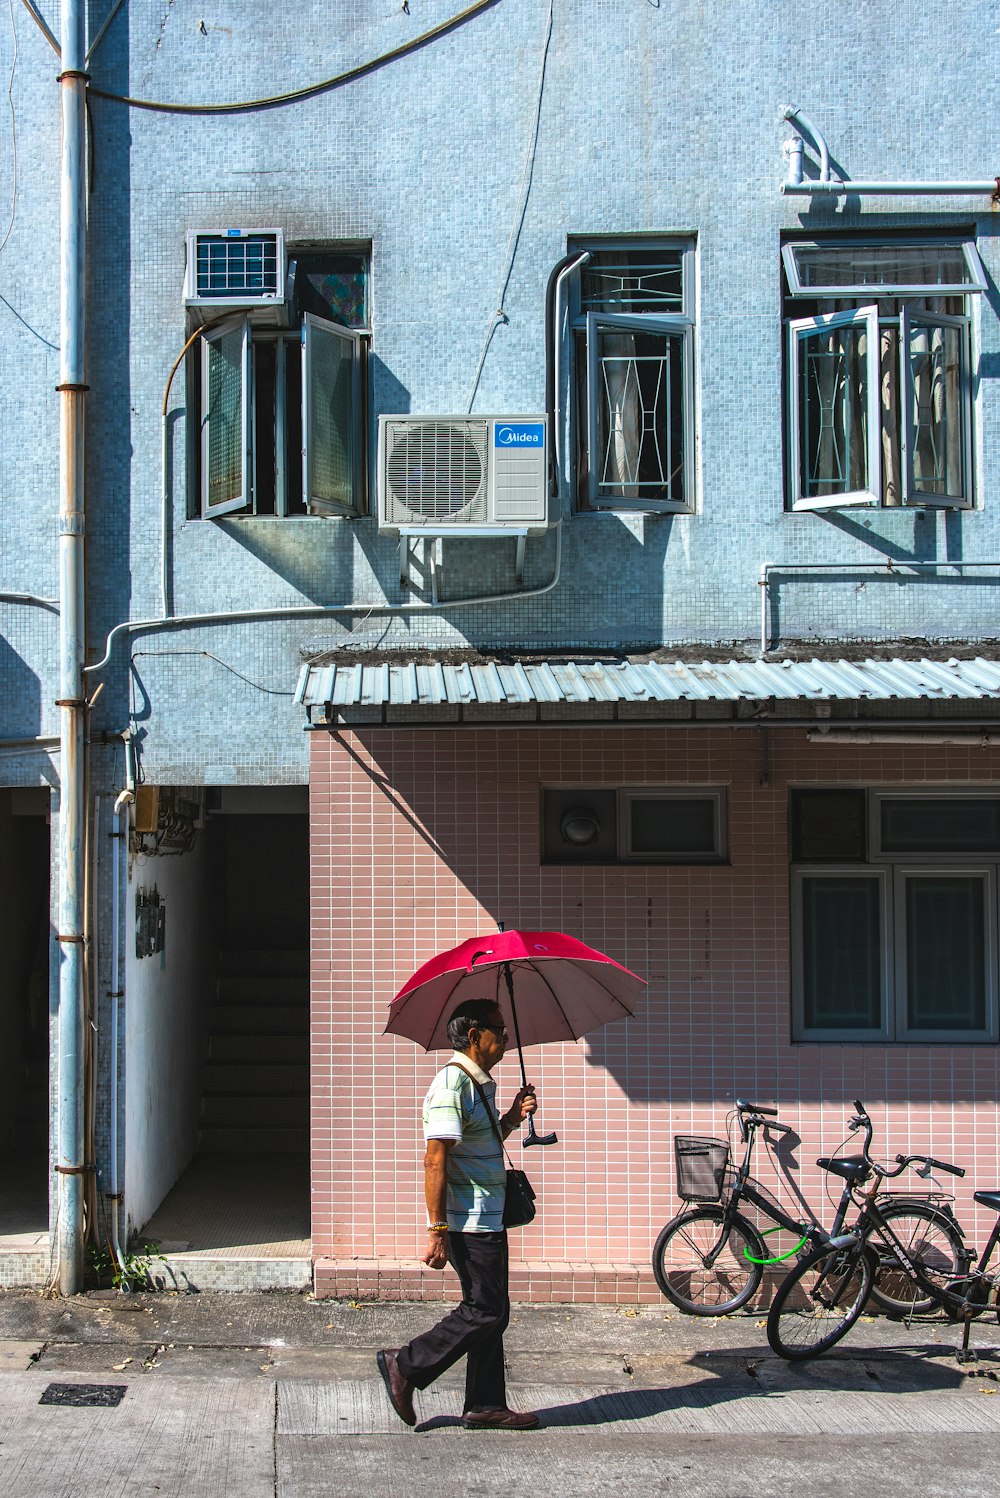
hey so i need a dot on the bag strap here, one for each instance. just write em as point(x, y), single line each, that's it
point(489, 1111)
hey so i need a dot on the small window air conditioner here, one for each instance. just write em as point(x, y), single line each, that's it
point(444, 473)
point(241, 269)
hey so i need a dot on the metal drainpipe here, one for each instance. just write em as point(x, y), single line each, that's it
point(72, 808)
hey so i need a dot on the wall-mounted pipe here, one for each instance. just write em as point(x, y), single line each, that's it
point(959, 738)
point(887, 568)
point(553, 375)
point(71, 934)
point(52, 604)
point(827, 185)
point(320, 611)
point(811, 188)
point(795, 116)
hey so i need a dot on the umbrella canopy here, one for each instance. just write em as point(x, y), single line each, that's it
point(563, 988)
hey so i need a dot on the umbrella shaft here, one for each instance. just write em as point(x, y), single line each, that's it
point(513, 1009)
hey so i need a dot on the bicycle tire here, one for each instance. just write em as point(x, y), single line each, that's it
point(698, 1288)
point(934, 1241)
point(820, 1301)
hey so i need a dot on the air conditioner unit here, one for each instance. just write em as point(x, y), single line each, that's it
point(446, 473)
point(241, 269)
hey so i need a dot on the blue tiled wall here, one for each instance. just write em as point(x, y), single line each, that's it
point(655, 118)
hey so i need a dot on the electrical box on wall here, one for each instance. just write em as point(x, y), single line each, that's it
point(150, 923)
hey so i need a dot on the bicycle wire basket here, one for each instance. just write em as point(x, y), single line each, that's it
point(701, 1167)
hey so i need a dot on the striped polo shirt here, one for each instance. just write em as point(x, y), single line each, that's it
point(453, 1110)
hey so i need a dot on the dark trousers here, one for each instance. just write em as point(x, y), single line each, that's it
point(474, 1329)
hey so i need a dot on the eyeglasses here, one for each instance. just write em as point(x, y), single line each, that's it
point(500, 1030)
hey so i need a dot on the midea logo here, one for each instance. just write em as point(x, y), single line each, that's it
point(519, 436)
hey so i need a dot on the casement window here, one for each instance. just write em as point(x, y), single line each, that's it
point(632, 322)
point(282, 409)
point(895, 915)
point(879, 372)
point(634, 824)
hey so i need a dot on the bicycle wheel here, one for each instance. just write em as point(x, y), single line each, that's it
point(703, 1273)
point(932, 1240)
point(820, 1300)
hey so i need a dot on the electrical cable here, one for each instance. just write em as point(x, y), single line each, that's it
point(310, 90)
point(500, 316)
point(271, 691)
point(13, 132)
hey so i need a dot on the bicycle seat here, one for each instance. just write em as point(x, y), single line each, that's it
point(988, 1199)
point(853, 1168)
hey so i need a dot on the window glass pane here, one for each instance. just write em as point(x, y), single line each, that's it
point(334, 287)
point(943, 824)
point(639, 399)
point(935, 355)
point(945, 952)
point(841, 965)
point(633, 280)
point(224, 415)
point(333, 428)
point(867, 267)
point(833, 411)
point(682, 826)
point(828, 825)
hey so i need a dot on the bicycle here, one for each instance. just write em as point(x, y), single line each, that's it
point(823, 1296)
point(709, 1260)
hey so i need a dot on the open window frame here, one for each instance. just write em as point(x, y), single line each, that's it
point(919, 403)
point(650, 294)
point(333, 418)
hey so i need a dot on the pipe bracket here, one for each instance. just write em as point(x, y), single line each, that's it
point(72, 73)
point(73, 388)
point(74, 1170)
point(71, 702)
point(80, 941)
point(73, 524)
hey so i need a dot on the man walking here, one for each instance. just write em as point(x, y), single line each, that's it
point(464, 1186)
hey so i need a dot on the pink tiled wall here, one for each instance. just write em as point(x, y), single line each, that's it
point(421, 838)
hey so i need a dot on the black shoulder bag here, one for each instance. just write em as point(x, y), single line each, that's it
point(519, 1200)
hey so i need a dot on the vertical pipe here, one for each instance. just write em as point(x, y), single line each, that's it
point(117, 839)
point(72, 808)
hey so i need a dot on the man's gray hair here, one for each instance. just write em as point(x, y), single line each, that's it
point(471, 1014)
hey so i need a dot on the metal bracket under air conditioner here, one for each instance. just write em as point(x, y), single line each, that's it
point(409, 533)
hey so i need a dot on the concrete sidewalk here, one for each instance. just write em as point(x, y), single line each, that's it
point(264, 1395)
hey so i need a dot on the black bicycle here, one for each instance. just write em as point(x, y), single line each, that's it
point(710, 1259)
point(826, 1292)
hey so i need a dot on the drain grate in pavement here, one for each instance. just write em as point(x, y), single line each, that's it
point(104, 1396)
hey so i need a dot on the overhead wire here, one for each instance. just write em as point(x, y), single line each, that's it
point(13, 131)
point(310, 90)
point(500, 315)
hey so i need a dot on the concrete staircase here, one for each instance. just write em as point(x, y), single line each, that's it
point(256, 1096)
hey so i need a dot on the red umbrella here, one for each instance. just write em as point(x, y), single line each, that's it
point(564, 989)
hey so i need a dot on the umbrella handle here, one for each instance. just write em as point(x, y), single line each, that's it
point(533, 1138)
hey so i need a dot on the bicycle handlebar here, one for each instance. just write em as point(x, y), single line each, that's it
point(742, 1106)
point(904, 1160)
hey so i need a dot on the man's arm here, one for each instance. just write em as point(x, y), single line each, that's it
point(436, 1197)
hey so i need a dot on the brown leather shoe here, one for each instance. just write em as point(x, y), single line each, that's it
point(398, 1388)
point(500, 1420)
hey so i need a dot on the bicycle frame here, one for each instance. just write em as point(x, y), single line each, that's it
point(960, 1306)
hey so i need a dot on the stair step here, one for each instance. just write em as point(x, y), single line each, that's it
point(250, 1048)
point(221, 1141)
point(235, 1111)
point(260, 1019)
point(263, 1077)
point(251, 963)
point(263, 988)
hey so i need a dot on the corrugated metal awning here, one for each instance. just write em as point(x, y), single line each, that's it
point(494, 684)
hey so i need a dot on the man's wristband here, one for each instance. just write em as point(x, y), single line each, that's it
point(437, 1227)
